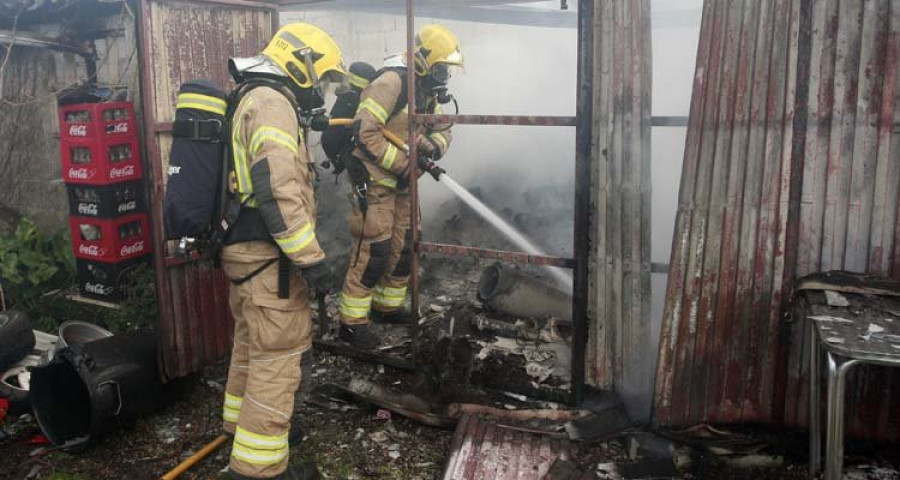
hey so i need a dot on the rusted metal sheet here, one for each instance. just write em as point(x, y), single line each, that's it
point(517, 120)
point(182, 41)
point(619, 231)
point(791, 166)
point(724, 298)
point(848, 215)
point(500, 255)
point(482, 450)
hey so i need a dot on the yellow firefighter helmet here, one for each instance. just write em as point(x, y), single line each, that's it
point(436, 45)
point(307, 54)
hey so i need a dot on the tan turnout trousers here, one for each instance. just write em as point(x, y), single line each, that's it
point(379, 275)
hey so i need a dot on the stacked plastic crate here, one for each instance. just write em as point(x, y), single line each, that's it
point(108, 221)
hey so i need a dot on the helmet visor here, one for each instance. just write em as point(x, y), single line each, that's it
point(443, 72)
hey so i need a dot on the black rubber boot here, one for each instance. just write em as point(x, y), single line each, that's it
point(360, 337)
point(295, 435)
point(306, 471)
point(402, 316)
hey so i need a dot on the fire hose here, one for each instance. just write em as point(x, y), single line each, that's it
point(426, 165)
point(190, 462)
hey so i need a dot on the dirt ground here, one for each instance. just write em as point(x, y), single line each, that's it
point(356, 441)
point(347, 441)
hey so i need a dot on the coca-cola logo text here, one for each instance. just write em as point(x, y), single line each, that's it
point(87, 209)
point(78, 130)
point(91, 250)
point(127, 206)
point(125, 171)
point(119, 128)
point(137, 247)
point(81, 173)
point(98, 288)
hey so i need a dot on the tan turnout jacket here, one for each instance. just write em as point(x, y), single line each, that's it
point(274, 174)
point(383, 159)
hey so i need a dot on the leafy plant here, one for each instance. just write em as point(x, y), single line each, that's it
point(32, 264)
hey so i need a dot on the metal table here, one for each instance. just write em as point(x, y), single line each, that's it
point(846, 341)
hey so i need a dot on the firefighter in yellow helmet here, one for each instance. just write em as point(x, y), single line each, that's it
point(376, 284)
point(272, 256)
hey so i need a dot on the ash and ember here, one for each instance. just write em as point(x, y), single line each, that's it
point(468, 355)
point(469, 362)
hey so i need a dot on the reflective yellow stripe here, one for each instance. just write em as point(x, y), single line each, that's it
point(376, 109)
point(390, 291)
point(389, 303)
point(389, 296)
point(197, 101)
point(273, 134)
point(230, 416)
point(260, 442)
point(386, 182)
point(355, 307)
point(233, 401)
point(440, 139)
point(357, 81)
point(297, 241)
point(389, 157)
point(232, 408)
point(245, 186)
point(258, 457)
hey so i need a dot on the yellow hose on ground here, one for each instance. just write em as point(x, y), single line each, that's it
point(195, 458)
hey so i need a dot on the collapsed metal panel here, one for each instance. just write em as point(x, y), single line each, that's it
point(182, 41)
point(719, 342)
point(851, 177)
point(484, 450)
point(619, 254)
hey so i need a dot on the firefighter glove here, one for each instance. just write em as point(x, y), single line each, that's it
point(319, 123)
point(318, 278)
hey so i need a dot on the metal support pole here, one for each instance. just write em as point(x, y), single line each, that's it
point(413, 153)
point(582, 195)
point(838, 367)
point(815, 406)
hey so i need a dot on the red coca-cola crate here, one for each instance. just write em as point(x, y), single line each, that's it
point(110, 240)
point(96, 121)
point(101, 162)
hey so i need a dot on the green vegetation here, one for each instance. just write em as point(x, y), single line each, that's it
point(33, 263)
point(36, 269)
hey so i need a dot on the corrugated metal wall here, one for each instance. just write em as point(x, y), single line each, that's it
point(767, 197)
point(723, 302)
point(851, 178)
point(619, 260)
point(183, 41)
